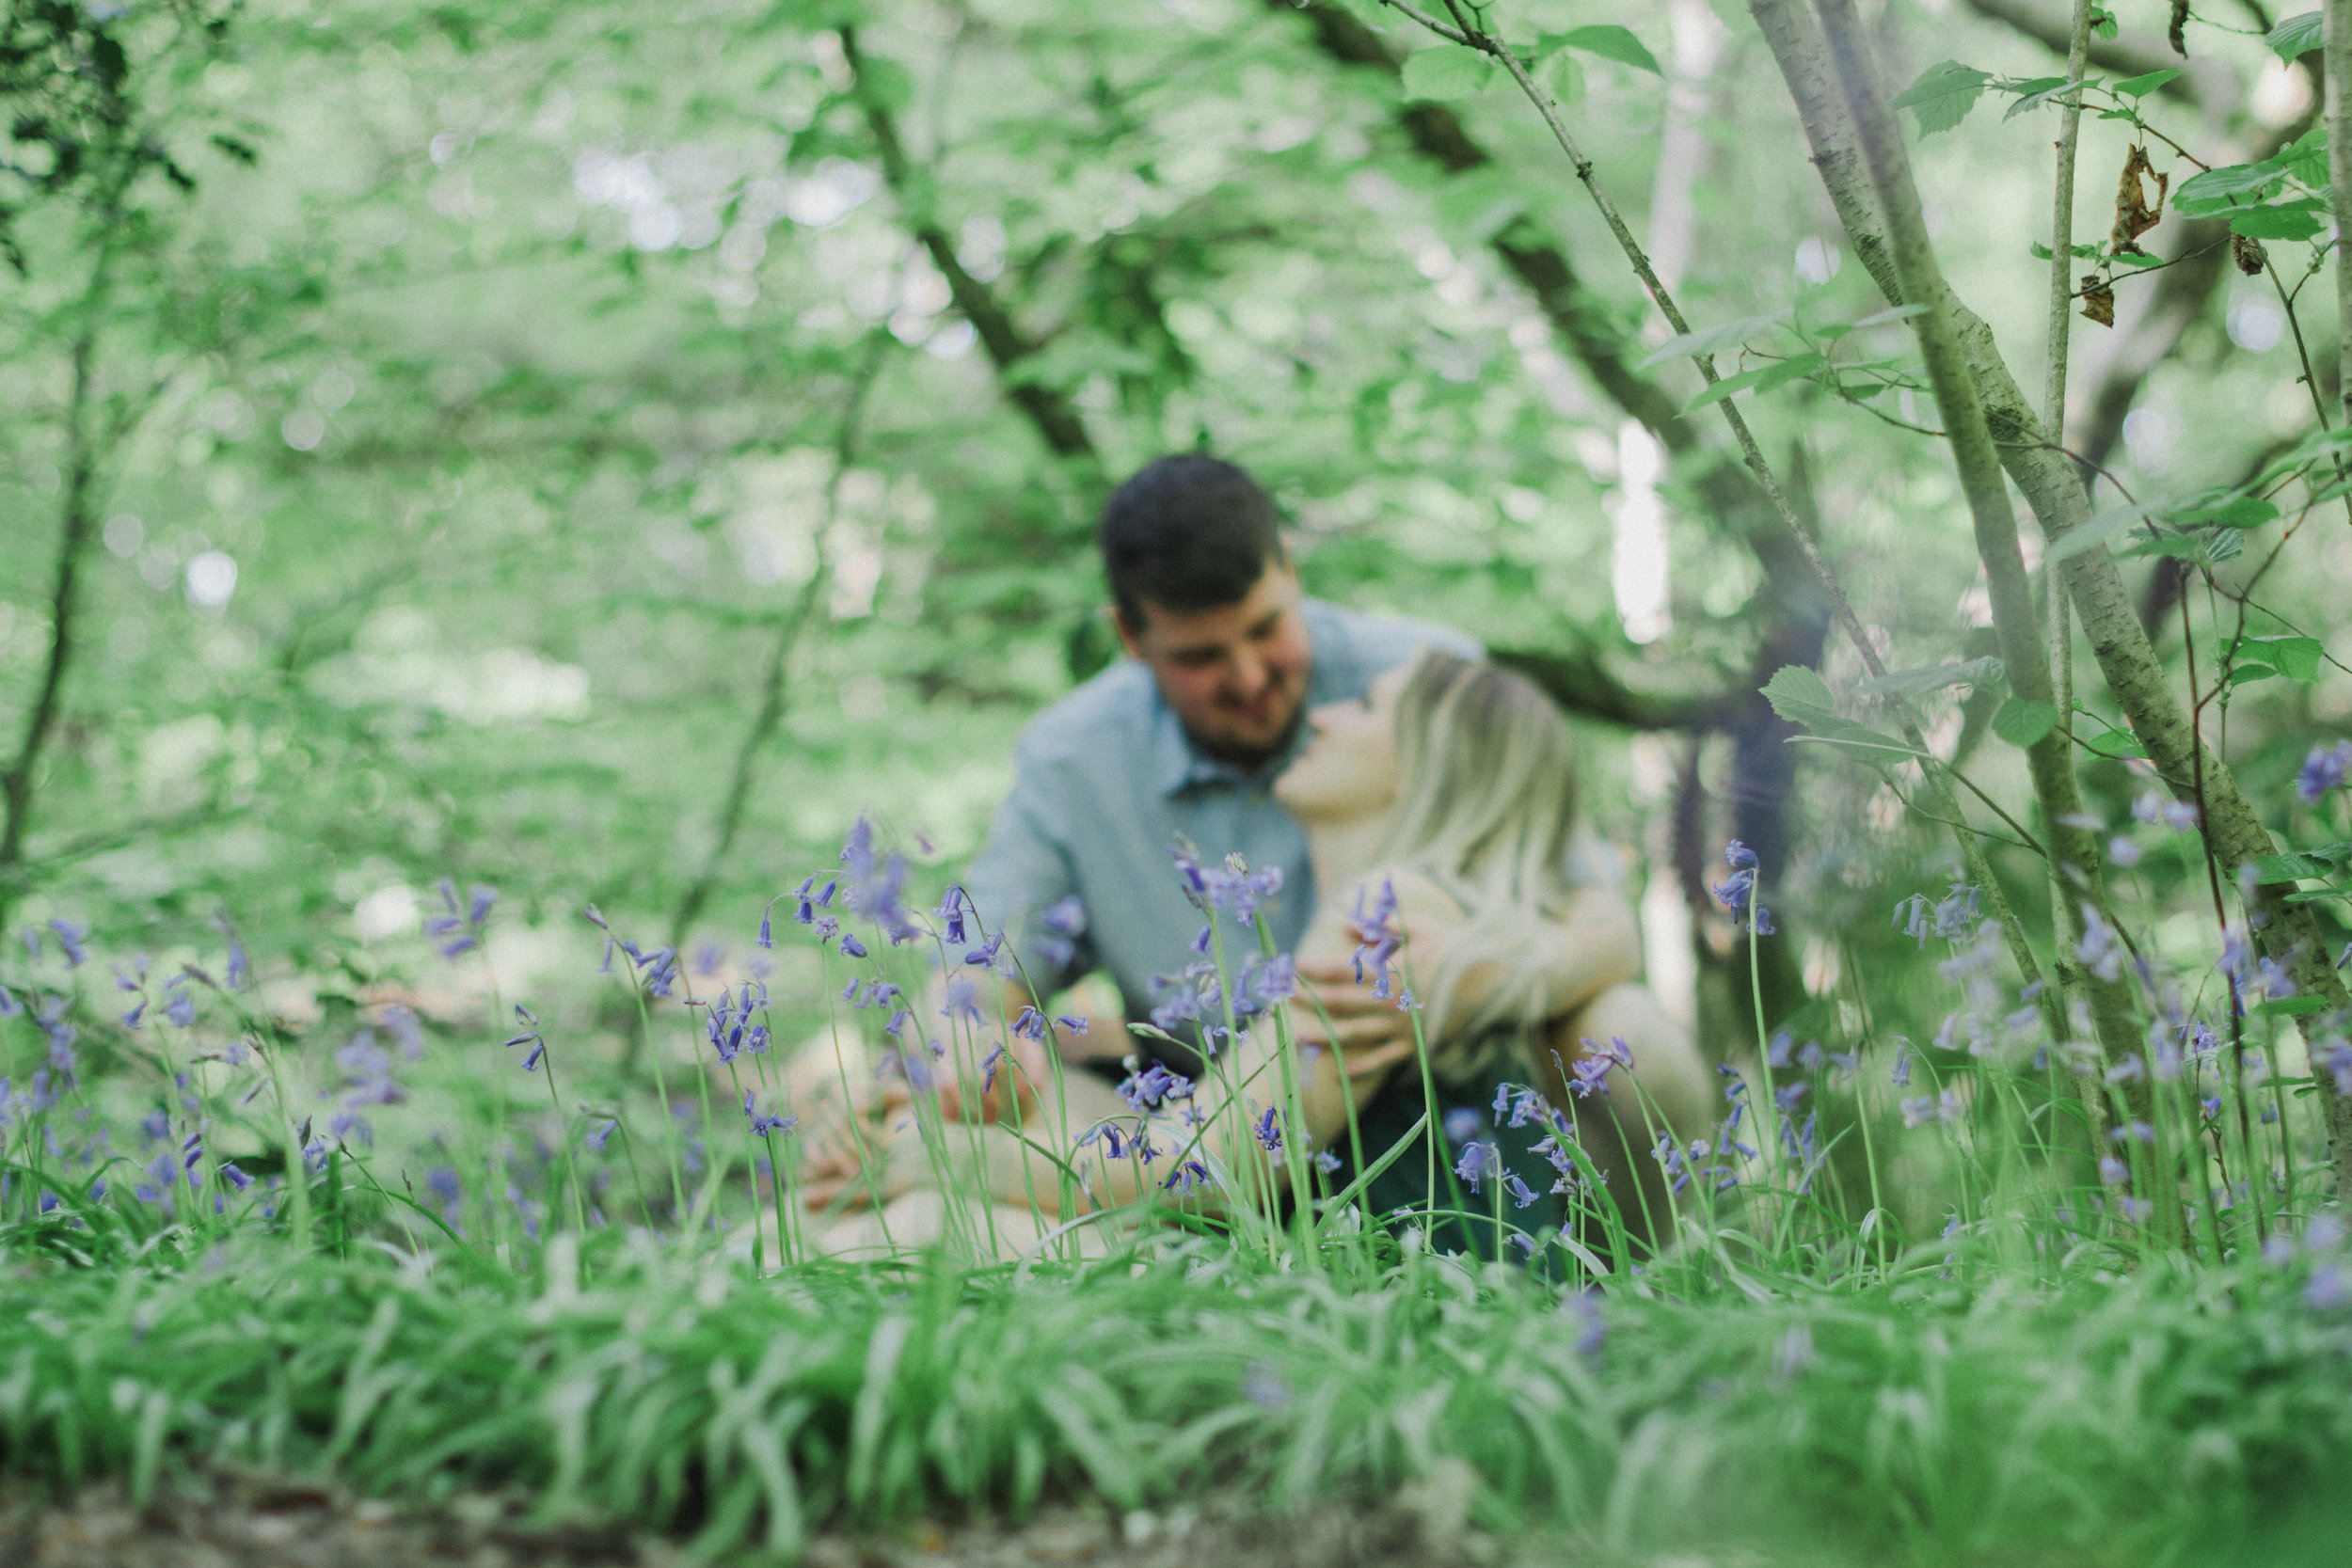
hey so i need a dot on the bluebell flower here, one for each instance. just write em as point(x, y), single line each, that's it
point(1928, 1108)
point(1152, 1086)
point(2099, 950)
point(1520, 1193)
point(180, 1002)
point(1376, 936)
point(1328, 1163)
point(9, 1005)
point(69, 939)
point(954, 905)
point(1059, 927)
point(1263, 1385)
point(762, 1126)
point(2323, 771)
point(1737, 891)
point(984, 955)
point(1268, 1128)
point(529, 1036)
point(1586, 1306)
point(1478, 1162)
point(878, 895)
point(1461, 1124)
point(1188, 1178)
point(850, 946)
point(964, 1001)
point(1030, 1024)
point(1074, 1025)
point(2326, 1291)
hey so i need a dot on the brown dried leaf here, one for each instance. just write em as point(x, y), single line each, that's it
point(2248, 254)
point(2133, 216)
point(2098, 299)
point(2180, 20)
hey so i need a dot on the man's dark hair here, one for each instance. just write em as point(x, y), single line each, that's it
point(1187, 532)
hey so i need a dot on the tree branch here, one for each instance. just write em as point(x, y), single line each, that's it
point(1055, 419)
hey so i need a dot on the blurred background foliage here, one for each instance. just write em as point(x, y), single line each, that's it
point(597, 450)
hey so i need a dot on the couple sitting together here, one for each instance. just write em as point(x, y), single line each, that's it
point(1371, 761)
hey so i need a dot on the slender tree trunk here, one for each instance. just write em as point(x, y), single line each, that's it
point(2049, 759)
point(1752, 456)
point(2337, 53)
point(773, 686)
point(76, 523)
point(2234, 834)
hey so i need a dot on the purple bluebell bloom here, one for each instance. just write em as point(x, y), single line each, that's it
point(1268, 1128)
point(1030, 1025)
point(850, 946)
point(1478, 1162)
point(1461, 1124)
point(70, 937)
point(1059, 930)
point(1376, 936)
point(954, 905)
point(2099, 950)
point(878, 895)
point(1737, 891)
point(2323, 772)
point(1152, 1086)
point(1522, 1196)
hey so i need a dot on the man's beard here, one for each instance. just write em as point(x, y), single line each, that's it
point(1250, 759)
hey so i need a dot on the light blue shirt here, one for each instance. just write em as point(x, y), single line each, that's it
point(1105, 780)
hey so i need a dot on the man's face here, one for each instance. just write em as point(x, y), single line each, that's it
point(1235, 674)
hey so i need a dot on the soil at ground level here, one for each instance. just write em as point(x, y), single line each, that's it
point(248, 1521)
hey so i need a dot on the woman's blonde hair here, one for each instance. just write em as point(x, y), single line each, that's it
point(1487, 809)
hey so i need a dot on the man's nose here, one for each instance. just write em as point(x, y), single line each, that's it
point(1249, 675)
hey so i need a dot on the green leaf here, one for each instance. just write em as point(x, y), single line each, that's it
point(2306, 157)
point(2297, 37)
point(2104, 23)
point(1933, 677)
point(1799, 695)
point(2297, 657)
point(2225, 509)
point(2217, 190)
point(1943, 95)
point(1611, 42)
point(2286, 868)
point(2243, 674)
point(1762, 379)
point(1895, 313)
point(2340, 851)
point(2085, 252)
point(2045, 90)
point(2292, 1007)
point(1564, 77)
point(2097, 531)
point(1447, 70)
point(1730, 334)
point(2298, 222)
point(2140, 87)
point(2022, 722)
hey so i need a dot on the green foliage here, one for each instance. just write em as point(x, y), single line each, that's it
point(1609, 41)
point(1943, 94)
point(2297, 35)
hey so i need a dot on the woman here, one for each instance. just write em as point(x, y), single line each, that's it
point(1441, 810)
point(1450, 792)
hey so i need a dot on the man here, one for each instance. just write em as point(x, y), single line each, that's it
point(1181, 743)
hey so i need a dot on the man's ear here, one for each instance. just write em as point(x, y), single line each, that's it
point(1127, 634)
